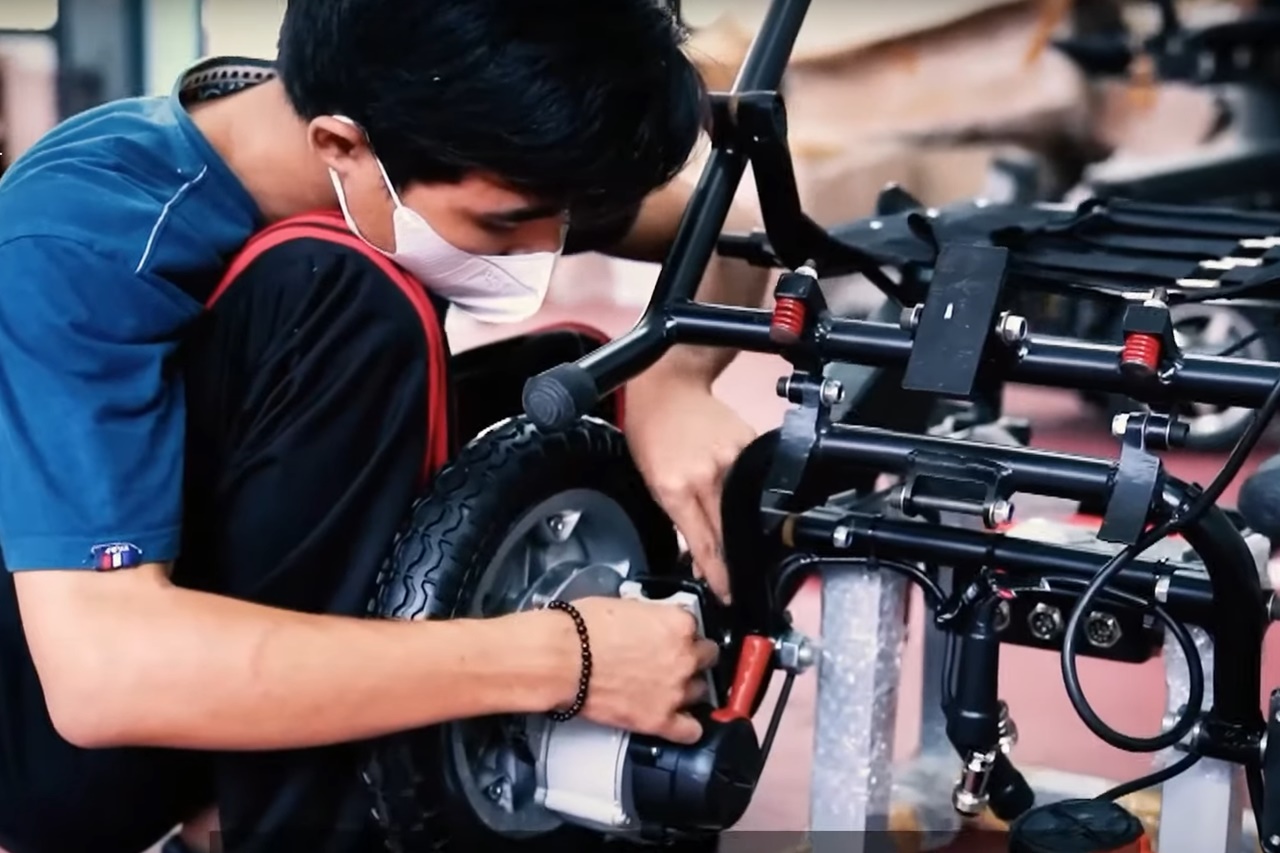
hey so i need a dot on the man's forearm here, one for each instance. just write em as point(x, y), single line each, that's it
point(182, 669)
point(727, 281)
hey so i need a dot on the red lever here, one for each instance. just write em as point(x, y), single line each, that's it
point(753, 665)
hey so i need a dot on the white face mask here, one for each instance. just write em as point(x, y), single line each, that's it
point(490, 288)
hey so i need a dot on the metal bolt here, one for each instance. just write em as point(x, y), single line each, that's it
point(909, 319)
point(561, 525)
point(1274, 841)
point(842, 537)
point(795, 652)
point(831, 392)
point(807, 271)
point(1162, 589)
point(784, 387)
point(1000, 512)
point(1120, 425)
point(494, 791)
point(1012, 328)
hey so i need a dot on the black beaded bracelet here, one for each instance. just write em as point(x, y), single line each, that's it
point(585, 678)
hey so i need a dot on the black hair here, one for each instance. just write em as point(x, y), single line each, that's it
point(589, 104)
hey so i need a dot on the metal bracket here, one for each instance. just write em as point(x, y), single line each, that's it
point(956, 323)
point(801, 426)
point(1138, 476)
point(937, 483)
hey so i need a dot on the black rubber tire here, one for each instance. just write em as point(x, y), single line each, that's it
point(453, 534)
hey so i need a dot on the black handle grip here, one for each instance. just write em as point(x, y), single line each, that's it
point(556, 398)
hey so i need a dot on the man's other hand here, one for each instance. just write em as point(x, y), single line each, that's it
point(684, 440)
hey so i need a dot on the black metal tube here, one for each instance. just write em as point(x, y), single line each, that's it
point(1239, 617)
point(771, 51)
point(1051, 362)
point(1042, 472)
point(1189, 597)
point(695, 240)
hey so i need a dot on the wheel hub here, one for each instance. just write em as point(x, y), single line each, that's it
point(577, 544)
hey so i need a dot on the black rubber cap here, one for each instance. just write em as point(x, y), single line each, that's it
point(1008, 794)
point(1075, 826)
point(1259, 499)
point(703, 787)
point(556, 398)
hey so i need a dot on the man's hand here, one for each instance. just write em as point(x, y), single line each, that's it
point(647, 667)
point(684, 439)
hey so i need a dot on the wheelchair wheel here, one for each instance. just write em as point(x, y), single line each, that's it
point(520, 517)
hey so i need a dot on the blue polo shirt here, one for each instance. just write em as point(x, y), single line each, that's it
point(114, 228)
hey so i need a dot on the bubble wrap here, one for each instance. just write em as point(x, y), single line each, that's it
point(859, 665)
point(925, 786)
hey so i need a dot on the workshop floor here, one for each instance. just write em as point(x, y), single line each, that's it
point(1128, 697)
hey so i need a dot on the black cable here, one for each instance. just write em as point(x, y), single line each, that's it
point(1180, 519)
point(949, 671)
point(1257, 794)
point(786, 585)
point(1159, 777)
point(776, 718)
point(1240, 344)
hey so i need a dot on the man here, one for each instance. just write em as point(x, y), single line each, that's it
point(197, 488)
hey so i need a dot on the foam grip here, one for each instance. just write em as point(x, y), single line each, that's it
point(556, 398)
point(1259, 500)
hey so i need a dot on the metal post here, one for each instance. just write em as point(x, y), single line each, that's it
point(173, 31)
point(100, 52)
point(1202, 810)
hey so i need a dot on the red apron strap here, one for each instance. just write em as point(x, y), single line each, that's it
point(331, 227)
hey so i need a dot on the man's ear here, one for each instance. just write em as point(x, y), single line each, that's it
point(340, 144)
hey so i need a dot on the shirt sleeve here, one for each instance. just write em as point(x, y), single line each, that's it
point(92, 416)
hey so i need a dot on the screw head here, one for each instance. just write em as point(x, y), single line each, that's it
point(831, 392)
point(1001, 512)
point(1012, 328)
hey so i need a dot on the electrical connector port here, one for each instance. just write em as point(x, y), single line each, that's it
point(1102, 629)
point(1045, 622)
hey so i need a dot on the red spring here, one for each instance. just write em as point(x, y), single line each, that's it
point(789, 315)
point(1141, 352)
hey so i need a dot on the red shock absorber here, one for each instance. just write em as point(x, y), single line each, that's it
point(789, 315)
point(1141, 354)
point(753, 666)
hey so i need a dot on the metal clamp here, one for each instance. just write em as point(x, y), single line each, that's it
point(936, 483)
point(1139, 473)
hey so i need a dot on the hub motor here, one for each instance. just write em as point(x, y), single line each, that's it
point(528, 776)
point(619, 782)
